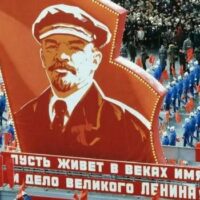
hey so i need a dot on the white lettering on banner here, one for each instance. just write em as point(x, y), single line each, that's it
point(146, 171)
point(169, 190)
point(32, 161)
point(87, 184)
point(145, 189)
point(39, 180)
point(154, 188)
point(114, 168)
point(99, 185)
point(187, 174)
point(16, 178)
point(82, 165)
point(173, 191)
point(164, 190)
point(130, 188)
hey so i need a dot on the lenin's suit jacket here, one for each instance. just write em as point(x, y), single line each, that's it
point(96, 129)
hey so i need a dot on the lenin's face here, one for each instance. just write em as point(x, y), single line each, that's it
point(69, 62)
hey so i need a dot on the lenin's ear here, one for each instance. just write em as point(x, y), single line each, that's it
point(42, 58)
point(97, 57)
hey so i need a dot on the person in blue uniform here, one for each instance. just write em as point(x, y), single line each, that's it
point(165, 139)
point(186, 132)
point(167, 100)
point(157, 72)
point(192, 80)
point(11, 130)
point(2, 106)
point(186, 86)
point(174, 95)
point(196, 72)
point(179, 90)
point(198, 123)
point(172, 136)
point(192, 127)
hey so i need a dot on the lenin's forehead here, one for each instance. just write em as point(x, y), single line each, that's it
point(65, 39)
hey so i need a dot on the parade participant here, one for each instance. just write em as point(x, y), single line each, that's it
point(198, 123)
point(192, 80)
point(162, 54)
point(172, 136)
point(2, 106)
point(144, 57)
point(168, 98)
point(186, 132)
point(174, 95)
point(192, 127)
point(186, 85)
point(165, 139)
point(180, 90)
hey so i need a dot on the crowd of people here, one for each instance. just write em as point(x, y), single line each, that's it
point(182, 93)
point(183, 89)
point(190, 131)
point(153, 23)
point(171, 31)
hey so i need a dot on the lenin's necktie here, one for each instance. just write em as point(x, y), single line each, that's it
point(60, 108)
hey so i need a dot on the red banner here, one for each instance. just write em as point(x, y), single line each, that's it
point(119, 168)
point(104, 176)
point(100, 185)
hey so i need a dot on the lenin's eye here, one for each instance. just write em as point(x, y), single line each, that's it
point(52, 46)
point(76, 48)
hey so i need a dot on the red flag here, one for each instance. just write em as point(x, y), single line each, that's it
point(1, 170)
point(171, 161)
point(191, 104)
point(139, 62)
point(188, 107)
point(84, 195)
point(167, 116)
point(178, 117)
point(165, 75)
point(21, 191)
point(7, 138)
point(152, 59)
point(9, 179)
point(76, 197)
point(173, 70)
point(197, 152)
point(190, 54)
point(181, 71)
point(12, 146)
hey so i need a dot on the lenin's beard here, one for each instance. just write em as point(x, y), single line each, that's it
point(62, 81)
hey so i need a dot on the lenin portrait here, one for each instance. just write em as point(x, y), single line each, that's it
point(73, 116)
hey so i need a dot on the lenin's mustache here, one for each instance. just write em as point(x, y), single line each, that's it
point(59, 65)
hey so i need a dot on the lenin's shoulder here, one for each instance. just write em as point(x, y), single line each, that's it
point(33, 106)
point(28, 109)
point(121, 112)
point(112, 109)
point(130, 130)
